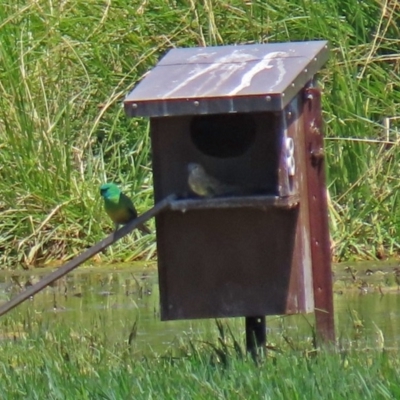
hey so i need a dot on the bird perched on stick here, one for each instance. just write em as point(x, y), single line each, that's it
point(119, 206)
point(205, 185)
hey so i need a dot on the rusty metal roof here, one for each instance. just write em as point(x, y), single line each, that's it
point(227, 79)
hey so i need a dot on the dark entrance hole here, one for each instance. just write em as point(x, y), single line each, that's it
point(223, 135)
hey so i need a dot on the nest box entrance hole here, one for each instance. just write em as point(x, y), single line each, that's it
point(223, 135)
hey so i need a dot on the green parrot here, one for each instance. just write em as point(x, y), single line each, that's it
point(119, 206)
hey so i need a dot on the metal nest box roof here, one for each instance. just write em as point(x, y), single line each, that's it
point(227, 79)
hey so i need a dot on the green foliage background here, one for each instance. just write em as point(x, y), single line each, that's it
point(66, 66)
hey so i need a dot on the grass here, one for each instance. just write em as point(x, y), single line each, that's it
point(63, 363)
point(66, 67)
point(93, 350)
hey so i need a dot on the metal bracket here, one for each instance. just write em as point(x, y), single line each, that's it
point(290, 161)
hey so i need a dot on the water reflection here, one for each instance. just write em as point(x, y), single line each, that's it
point(121, 297)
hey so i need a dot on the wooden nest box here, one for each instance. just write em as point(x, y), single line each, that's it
point(250, 116)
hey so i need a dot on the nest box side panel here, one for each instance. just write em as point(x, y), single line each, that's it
point(301, 283)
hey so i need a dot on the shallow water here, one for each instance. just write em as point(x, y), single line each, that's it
point(367, 306)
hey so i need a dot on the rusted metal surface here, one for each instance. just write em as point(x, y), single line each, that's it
point(228, 79)
point(74, 263)
point(318, 215)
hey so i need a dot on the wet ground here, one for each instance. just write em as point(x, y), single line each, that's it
point(114, 299)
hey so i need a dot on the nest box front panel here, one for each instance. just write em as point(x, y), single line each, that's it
point(225, 262)
point(236, 261)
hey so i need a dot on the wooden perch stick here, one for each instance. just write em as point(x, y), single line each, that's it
point(71, 265)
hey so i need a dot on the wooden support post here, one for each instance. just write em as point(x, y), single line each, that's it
point(318, 211)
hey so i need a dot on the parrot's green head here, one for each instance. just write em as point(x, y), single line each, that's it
point(109, 191)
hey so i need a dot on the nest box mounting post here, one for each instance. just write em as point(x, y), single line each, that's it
point(248, 234)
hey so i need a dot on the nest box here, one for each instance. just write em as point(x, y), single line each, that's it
point(250, 116)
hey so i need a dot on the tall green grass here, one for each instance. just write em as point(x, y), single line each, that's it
point(65, 68)
point(62, 363)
